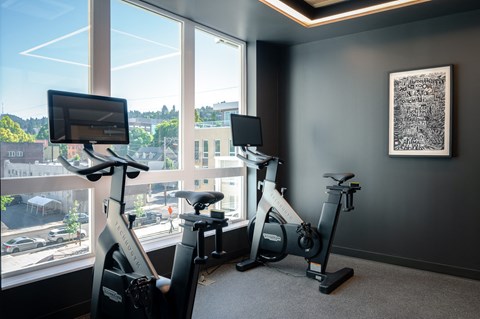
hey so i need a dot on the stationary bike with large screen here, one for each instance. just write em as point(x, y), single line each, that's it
point(277, 230)
point(125, 282)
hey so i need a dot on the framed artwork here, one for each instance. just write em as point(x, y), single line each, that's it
point(420, 112)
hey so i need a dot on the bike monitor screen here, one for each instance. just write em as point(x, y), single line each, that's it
point(246, 130)
point(76, 118)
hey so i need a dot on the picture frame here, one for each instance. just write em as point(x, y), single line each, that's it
point(420, 112)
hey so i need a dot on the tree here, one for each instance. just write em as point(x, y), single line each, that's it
point(138, 205)
point(64, 149)
point(43, 133)
point(139, 138)
point(165, 129)
point(4, 201)
point(164, 111)
point(11, 132)
point(73, 225)
point(197, 117)
point(169, 164)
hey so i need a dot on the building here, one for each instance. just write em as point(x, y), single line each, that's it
point(21, 153)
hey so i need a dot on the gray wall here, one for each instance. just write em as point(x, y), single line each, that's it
point(419, 212)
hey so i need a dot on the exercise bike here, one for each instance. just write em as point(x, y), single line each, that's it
point(125, 283)
point(277, 230)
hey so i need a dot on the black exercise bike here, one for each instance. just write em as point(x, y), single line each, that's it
point(277, 230)
point(125, 283)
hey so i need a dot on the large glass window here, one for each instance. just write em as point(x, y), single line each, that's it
point(44, 45)
point(218, 93)
point(177, 102)
point(146, 70)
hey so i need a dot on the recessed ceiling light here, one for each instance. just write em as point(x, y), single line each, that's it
point(282, 7)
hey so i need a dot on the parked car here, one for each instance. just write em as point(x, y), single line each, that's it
point(82, 218)
point(62, 234)
point(148, 218)
point(22, 243)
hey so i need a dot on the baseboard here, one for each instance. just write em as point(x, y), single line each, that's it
point(407, 262)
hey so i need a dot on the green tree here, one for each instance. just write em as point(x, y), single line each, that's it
point(11, 132)
point(165, 129)
point(63, 149)
point(164, 111)
point(197, 117)
point(138, 205)
point(72, 223)
point(139, 138)
point(169, 164)
point(4, 201)
point(43, 133)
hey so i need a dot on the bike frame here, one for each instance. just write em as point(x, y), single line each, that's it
point(273, 200)
point(117, 234)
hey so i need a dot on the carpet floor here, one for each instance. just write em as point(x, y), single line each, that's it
point(377, 290)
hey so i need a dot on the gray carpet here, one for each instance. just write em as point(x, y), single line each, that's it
point(377, 290)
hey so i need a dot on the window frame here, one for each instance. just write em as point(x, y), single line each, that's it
point(100, 83)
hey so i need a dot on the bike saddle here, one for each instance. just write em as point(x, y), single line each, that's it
point(199, 200)
point(339, 177)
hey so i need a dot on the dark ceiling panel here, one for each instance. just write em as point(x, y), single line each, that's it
point(251, 20)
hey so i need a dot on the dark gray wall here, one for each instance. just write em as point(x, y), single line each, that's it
point(419, 212)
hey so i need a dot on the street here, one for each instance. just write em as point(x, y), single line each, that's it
point(17, 221)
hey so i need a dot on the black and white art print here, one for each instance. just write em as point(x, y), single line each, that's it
point(420, 105)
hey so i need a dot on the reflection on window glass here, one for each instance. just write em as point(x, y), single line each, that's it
point(217, 94)
point(44, 45)
point(156, 212)
point(231, 187)
point(43, 227)
point(146, 70)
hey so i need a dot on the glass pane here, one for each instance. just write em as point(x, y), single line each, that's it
point(217, 95)
point(44, 45)
point(146, 70)
point(57, 224)
point(155, 210)
point(231, 187)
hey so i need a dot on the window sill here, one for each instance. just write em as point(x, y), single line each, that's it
point(53, 271)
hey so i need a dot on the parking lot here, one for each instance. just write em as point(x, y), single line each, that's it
point(17, 217)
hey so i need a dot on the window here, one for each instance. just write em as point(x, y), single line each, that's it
point(231, 187)
point(174, 103)
point(197, 151)
point(205, 149)
point(149, 77)
point(43, 45)
point(217, 147)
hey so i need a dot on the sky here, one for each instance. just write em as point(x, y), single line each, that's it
point(44, 45)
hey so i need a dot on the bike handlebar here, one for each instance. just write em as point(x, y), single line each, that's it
point(261, 160)
point(255, 164)
point(94, 173)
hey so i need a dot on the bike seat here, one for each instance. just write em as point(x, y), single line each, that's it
point(199, 200)
point(339, 177)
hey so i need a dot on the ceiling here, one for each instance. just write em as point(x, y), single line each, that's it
point(251, 20)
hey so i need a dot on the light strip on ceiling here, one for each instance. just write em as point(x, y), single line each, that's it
point(307, 22)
